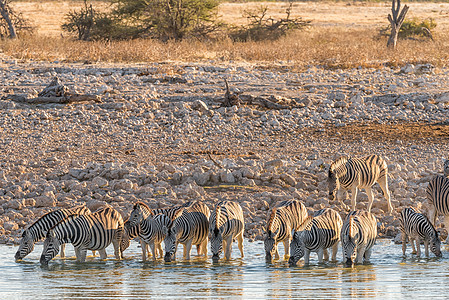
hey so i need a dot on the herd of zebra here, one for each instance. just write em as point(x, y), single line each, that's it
point(192, 223)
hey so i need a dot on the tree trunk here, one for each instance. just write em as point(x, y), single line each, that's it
point(4, 11)
point(396, 19)
point(393, 39)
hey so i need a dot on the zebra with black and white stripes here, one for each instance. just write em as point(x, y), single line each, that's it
point(316, 234)
point(438, 197)
point(151, 226)
point(190, 226)
point(353, 173)
point(418, 228)
point(86, 232)
point(38, 230)
point(225, 225)
point(358, 236)
point(285, 217)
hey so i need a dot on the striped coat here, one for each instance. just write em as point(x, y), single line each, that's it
point(316, 234)
point(358, 236)
point(438, 197)
point(418, 228)
point(38, 230)
point(190, 226)
point(353, 173)
point(86, 232)
point(225, 225)
point(285, 217)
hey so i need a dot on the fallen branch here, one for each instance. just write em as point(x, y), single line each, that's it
point(59, 100)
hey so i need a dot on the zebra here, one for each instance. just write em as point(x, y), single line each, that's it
point(225, 225)
point(86, 232)
point(150, 225)
point(284, 217)
point(354, 173)
point(38, 230)
point(358, 236)
point(130, 233)
point(438, 197)
point(316, 234)
point(189, 226)
point(418, 228)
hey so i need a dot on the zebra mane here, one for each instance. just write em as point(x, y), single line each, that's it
point(48, 215)
point(338, 162)
point(306, 224)
point(271, 219)
point(351, 224)
point(146, 207)
point(68, 219)
point(217, 217)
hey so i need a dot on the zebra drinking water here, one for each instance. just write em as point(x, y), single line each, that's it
point(38, 230)
point(284, 217)
point(316, 234)
point(354, 173)
point(438, 197)
point(226, 224)
point(418, 228)
point(190, 226)
point(86, 232)
point(358, 236)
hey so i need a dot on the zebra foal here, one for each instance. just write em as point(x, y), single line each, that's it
point(358, 236)
point(316, 234)
point(190, 226)
point(284, 217)
point(38, 230)
point(418, 228)
point(226, 224)
point(353, 173)
point(86, 232)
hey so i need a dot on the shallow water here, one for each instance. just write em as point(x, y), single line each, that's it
point(388, 276)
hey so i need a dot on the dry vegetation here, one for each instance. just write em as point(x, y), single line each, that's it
point(341, 36)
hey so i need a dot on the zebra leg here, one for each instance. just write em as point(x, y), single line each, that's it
point(320, 253)
point(334, 251)
point(276, 253)
point(354, 191)
point(446, 225)
point(418, 247)
point(360, 254)
point(383, 182)
point(153, 249)
point(240, 243)
point(404, 243)
point(161, 252)
point(412, 242)
point(433, 215)
point(62, 252)
point(204, 247)
point(367, 254)
point(306, 257)
point(103, 254)
point(325, 254)
point(187, 248)
point(117, 252)
point(369, 192)
point(426, 248)
point(287, 248)
point(228, 250)
point(82, 255)
point(143, 246)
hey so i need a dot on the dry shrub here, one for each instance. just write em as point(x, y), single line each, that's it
point(331, 48)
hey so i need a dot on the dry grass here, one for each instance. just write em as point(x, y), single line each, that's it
point(331, 48)
point(341, 36)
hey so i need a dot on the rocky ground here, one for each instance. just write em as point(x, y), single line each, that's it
point(160, 135)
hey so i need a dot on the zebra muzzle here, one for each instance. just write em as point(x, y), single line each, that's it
point(348, 262)
point(215, 257)
point(43, 261)
point(167, 257)
point(292, 262)
point(17, 256)
point(268, 257)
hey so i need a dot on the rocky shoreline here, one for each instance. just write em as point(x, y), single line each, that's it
point(160, 135)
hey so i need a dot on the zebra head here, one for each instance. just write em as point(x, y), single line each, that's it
point(172, 233)
point(333, 184)
point(297, 247)
point(435, 245)
point(51, 248)
point(216, 243)
point(26, 245)
point(349, 239)
point(446, 167)
point(270, 243)
point(137, 214)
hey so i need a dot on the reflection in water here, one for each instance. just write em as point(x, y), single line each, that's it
point(388, 276)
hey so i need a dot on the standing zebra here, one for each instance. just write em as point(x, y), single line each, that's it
point(418, 228)
point(358, 236)
point(38, 230)
point(130, 233)
point(189, 227)
point(354, 173)
point(316, 234)
point(226, 224)
point(284, 217)
point(86, 232)
point(438, 197)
